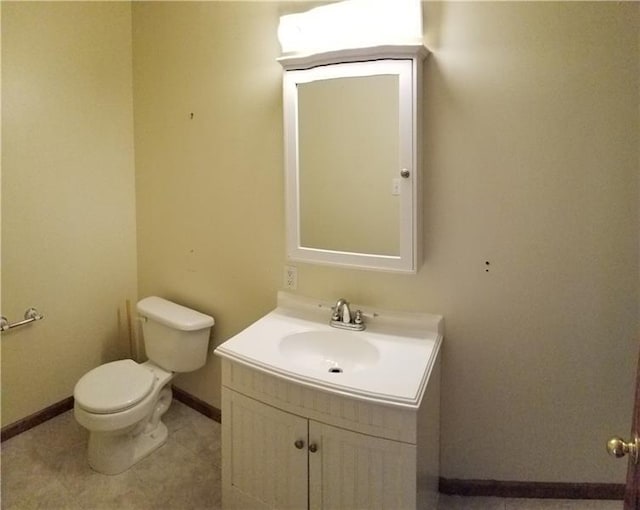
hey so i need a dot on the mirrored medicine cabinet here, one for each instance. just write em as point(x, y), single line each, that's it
point(352, 159)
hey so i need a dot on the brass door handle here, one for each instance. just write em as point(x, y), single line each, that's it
point(619, 448)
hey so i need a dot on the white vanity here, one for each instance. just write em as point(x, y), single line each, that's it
point(318, 417)
point(314, 416)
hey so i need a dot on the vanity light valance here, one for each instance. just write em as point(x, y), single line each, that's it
point(351, 24)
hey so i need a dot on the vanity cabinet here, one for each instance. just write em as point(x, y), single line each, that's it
point(280, 460)
point(290, 446)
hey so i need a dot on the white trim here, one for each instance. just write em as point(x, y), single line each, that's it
point(387, 51)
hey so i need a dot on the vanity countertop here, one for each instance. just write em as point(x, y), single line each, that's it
point(388, 363)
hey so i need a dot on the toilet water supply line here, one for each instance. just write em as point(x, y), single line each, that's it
point(30, 315)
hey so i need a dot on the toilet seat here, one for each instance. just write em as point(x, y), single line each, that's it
point(113, 387)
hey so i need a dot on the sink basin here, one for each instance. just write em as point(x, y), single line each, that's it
point(389, 362)
point(330, 351)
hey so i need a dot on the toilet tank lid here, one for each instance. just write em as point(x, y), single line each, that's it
point(173, 315)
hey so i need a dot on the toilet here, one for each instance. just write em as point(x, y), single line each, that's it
point(121, 402)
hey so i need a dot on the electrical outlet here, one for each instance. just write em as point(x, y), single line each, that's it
point(290, 277)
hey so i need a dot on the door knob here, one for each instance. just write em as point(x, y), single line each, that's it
point(299, 444)
point(618, 448)
point(313, 448)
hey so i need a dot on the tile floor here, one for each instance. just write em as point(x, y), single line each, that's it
point(46, 468)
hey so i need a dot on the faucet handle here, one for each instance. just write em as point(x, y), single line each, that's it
point(358, 318)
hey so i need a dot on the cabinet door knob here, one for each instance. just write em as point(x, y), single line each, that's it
point(299, 444)
point(313, 448)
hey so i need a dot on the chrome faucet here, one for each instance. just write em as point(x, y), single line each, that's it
point(341, 311)
point(341, 317)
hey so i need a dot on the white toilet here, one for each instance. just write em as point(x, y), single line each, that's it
point(121, 402)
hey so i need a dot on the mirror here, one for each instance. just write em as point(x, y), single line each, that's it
point(346, 201)
point(351, 164)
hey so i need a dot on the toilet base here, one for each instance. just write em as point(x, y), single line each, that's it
point(116, 451)
point(149, 442)
point(111, 454)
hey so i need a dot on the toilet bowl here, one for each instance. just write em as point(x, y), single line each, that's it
point(121, 403)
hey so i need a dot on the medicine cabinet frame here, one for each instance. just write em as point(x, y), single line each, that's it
point(405, 62)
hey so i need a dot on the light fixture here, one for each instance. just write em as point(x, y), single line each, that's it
point(351, 24)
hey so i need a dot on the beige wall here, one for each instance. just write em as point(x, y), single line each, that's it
point(531, 163)
point(533, 141)
point(68, 214)
point(209, 189)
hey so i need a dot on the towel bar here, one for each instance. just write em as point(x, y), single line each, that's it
point(30, 315)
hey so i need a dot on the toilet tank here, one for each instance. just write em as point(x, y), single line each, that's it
point(175, 337)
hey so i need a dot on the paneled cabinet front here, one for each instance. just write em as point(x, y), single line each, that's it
point(264, 455)
point(273, 459)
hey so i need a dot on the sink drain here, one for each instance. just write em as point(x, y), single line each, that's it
point(335, 370)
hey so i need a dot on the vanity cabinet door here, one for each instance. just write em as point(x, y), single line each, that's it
point(263, 467)
point(348, 470)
